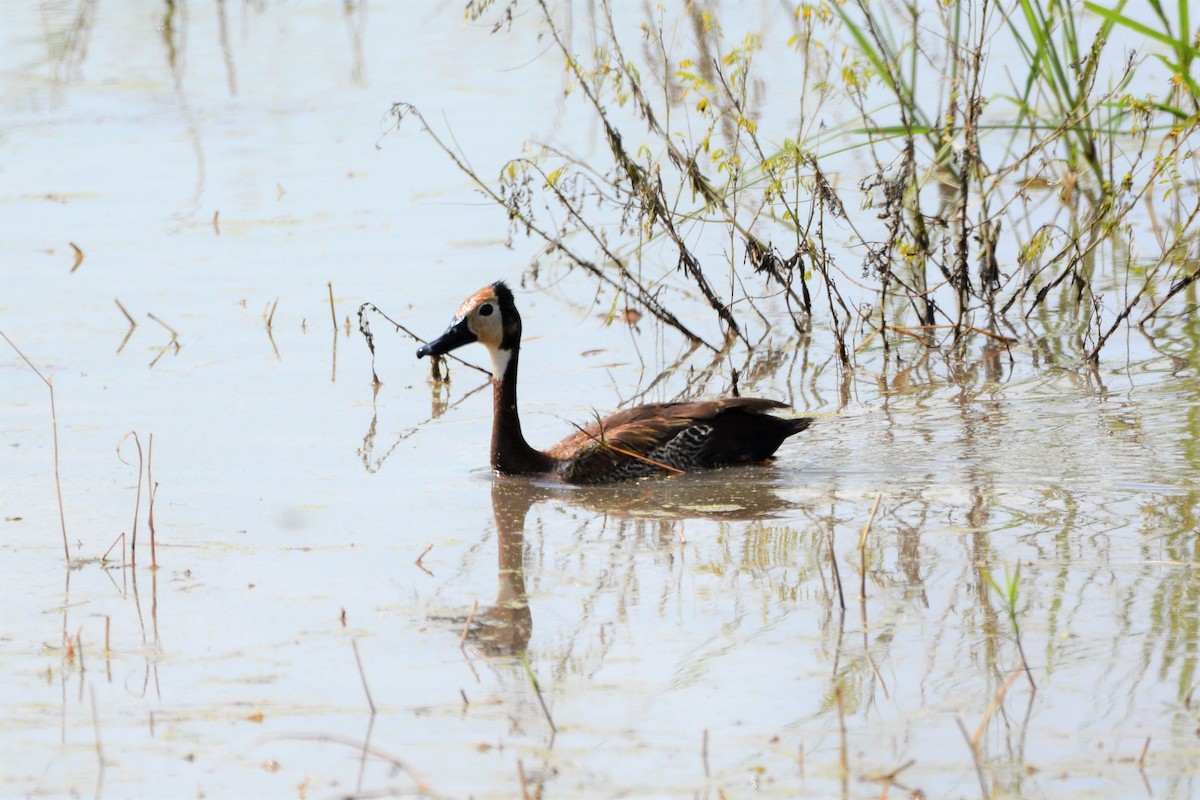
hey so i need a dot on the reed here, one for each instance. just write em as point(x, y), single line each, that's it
point(62, 516)
point(702, 188)
point(1010, 596)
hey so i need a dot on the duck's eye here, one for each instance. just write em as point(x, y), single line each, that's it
point(485, 310)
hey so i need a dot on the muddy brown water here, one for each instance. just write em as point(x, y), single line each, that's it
point(670, 638)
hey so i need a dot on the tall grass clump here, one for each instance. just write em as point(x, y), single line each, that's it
point(962, 169)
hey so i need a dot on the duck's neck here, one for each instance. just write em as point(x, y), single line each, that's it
point(511, 454)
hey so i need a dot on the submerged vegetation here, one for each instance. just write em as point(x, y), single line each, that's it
point(949, 172)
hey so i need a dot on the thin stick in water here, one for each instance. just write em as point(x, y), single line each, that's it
point(99, 746)
point(467, 626)
point(363, 676)
point(538, 691)
point(844, 756)
point(152, 490)
point(524, 781)
point(78, 256)
point(428, 547)
point(992, 706)
point(137, 503)
point(837, 575)
point(62, 516)
point(128, 316)
point(862, 546)
point(174, 333)
point(120, 538)
point(975, 756)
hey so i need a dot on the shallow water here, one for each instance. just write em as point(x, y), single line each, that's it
point(323, 547)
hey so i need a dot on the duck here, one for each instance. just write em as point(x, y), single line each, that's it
point(648, 440)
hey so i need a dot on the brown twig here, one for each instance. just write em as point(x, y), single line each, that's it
point(365, 328)
point(992, 706)
point(843, 754)
point(524, 780)
point(890, 777)
point(467, 627)
point(394, 761)
point(363, 676)
point(128, 316)
point(332, 311)
point(174, 333)
point(137, 503)
point(537, 690)
point(975, 757)
point(837, 576)
point(151, 491)
point(428, 547)
point(600, 440)
point(78, 256)
point(862, 546)
point(120, 538)
point(62, 517)
point(99, 746)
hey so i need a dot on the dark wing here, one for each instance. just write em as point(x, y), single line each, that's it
point(666, 437)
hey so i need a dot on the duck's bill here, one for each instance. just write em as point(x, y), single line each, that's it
point(455, 336)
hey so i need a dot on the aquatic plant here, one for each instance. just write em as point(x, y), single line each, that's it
point(967, 217)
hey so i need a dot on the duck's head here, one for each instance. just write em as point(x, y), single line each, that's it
point(489, 317)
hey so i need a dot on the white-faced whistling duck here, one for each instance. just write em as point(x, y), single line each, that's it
point(655, 439)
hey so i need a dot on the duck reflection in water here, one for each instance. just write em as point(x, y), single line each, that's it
point(504, 628)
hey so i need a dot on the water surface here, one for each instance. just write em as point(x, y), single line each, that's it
point(669, 638)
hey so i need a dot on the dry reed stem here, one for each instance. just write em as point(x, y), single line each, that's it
point(524, 781)
point(890, 777)
point(128, 316)
point(862, 546)
point(151, 490)
point(1142, 759)
point(605, 443)
point(974, 757)
point(137, 503)
point(641, 457)
point(992, 706)
point(704, 752)
point(837, 575)
point(78, 257)
point(467, 627)
point(419, 782)
point(843, 750)
point(99, 746)
point(428, 547)
point(62, 516)
point(217, 222)
point(365, 329)
point(332, 310)
point(537, 690)
point(120, 538)
point(363, 676)
point(174, 333)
